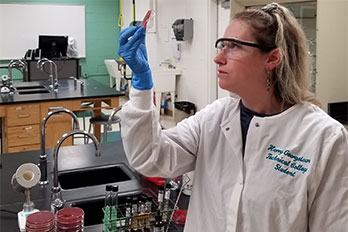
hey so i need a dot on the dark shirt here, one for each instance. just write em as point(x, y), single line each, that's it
point(245, 117)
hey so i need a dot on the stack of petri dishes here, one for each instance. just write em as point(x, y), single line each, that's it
point(69, 220)
point(42, 221)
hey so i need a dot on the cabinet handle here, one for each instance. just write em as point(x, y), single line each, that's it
point(23, 115)
point(23, 136)
point(28, 128)
point(56, 108)
point(18, 108)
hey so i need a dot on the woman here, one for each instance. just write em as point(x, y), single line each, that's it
point(269, 161)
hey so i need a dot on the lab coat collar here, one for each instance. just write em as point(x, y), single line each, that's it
point(232, 130)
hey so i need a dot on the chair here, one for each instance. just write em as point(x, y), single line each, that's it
point(115, 73)
point(106, 121)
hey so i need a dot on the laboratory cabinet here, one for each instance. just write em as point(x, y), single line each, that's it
point(22, 127)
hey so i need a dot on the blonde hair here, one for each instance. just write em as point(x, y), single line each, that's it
point(274, 25)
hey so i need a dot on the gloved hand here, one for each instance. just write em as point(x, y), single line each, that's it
point(132, 49)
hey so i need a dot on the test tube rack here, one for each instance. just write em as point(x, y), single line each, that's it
point(140, 221)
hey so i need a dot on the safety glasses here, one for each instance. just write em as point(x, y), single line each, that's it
point(230, 46)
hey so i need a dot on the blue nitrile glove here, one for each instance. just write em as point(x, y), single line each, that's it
point(132, 49)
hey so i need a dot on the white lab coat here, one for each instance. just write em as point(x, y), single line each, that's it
point(293, 177)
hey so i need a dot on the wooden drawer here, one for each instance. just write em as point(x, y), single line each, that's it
point(23, 135)
point(23, 114)
point(2, 111)
point(50, 106)
point(24, 148)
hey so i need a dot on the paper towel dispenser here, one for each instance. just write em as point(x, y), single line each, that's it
point(183, 29)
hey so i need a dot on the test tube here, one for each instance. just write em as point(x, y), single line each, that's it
point(128, 211)
point(114, 202)
point(135, 206)
point(114, 195)
point(160, 197)
point(108, 200)
point(107, 208)
point(166, 202)
point(142, 204)
point(148, 204)
point(158, 226)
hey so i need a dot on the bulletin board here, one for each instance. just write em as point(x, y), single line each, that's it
point(22, 23)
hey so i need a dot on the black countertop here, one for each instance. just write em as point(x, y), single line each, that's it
point(68, 89)
point(70, 158)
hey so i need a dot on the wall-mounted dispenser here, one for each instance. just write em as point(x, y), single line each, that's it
point(183, 29)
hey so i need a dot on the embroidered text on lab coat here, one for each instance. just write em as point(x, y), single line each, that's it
point(286, 162)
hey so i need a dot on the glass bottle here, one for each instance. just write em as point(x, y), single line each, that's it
point(160, 197)
point(158, 226)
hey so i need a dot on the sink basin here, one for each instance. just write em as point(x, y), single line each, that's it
point(93, 207)
point(30, 87)
point(91, 177)
point(32, 91)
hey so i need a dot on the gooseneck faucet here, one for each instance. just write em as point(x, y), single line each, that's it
point(18, 64)
point(43, 157)
point(57, 201)
point(53, 74)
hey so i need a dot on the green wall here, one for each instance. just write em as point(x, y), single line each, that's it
point(101, 36)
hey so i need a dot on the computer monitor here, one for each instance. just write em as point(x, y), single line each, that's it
point(53, 46)
point(339, 111)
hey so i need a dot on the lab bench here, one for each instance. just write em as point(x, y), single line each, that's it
point(23, 112)
point(71, 159)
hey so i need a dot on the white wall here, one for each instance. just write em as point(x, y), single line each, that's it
point(197, 83)
point(223, 21)
point(332, 51)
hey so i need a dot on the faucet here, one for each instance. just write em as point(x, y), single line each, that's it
point(53, 75)
point(18, 64)
point(43, 157)
point(57, 201)
point(76, 80)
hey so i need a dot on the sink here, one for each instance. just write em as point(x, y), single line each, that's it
point(32, 91)
point(91, 177)
point(93, 207)
point(30, 87)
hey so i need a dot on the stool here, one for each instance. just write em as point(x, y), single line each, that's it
point(87, 109)
point(103, 119)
